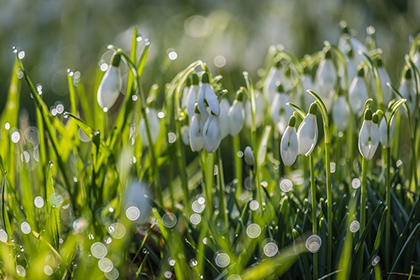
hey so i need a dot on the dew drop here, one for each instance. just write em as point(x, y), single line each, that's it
point(354, 226)
point(169, 220)
point(161, 115)
point(98, 250)
point(270, 248)
point(168, 274)
point(39, 202)
point(15, 137)
point(399, 163)
point(113, 274)
point(193, 262)
point(14, 49)
point(20, 270)
point(195, 219)
point(376, 260)
point(48, 270)
point(197, 207)
point(355, 183)
point(240, 154)
point(253, 230)
point(132, 213)
point(172, 54)
point(7, 126)
point(105, 265)
point(313, 243)
point(171, 262)
point(3, 235)
point(332, 167)
point(134, 97)
point(286, 185)
point(60, 108)
point(222, 259)
point(254, 205)
point(25, 228)
point(171, 137)
point(105, 109)
point(117, 230)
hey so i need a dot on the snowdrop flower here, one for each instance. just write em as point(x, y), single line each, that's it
point(196, 131)
point(224, 110)
point(192, 95)
point(185, 134)
point(368, 136)
point(307, 83)
point(270, 83)
point(236, 115)
point(341, 113)
point(347, 40)
point(206, 94)
point(259, 110)
point(407, 90)
point(154, 126)
point(280, 111)
point(358, 92)
point(383, 130)
point(307, 133)
point(110, 86)
point(416, 58)
point(249, 156)
point(325, 79)
point(351, 70)
point(185, 93)
point(212, 135)
point(384, 78)
point(289, 143)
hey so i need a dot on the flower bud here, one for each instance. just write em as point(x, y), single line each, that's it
point(224, 116)
point(259, 111)
point(206, 93)
point(383, 130)
point(192, 95)
point(196, 132)
point(249, 156)
point(307, 83)
point(325, 79)
point(368, 137)
point(384, 78)
point(358, 93)
point(341, 113)
point(212, 135)
point(236, 117)
point(185, 93)
point(270, 87)
point(154, 126)
point(408, 92)
point(289, 143)
point(280, 111)
point(307, 133)
point(110, 86)
point(185, 134)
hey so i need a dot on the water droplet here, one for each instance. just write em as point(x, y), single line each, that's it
point(168, 274)
point(171, 137)
point(3, 235)
point(254, 205)
point(354, 226)
point(286, 185)
point(80, 225)
point(98, 250)
point(39, 202)
point(134, 97)
point(25, 228)
point(20, 270)
point(117, 230)
point(270, 248)
point(195, 219)
point(197, 207)
point(15, 137)
point(399, 163)
point(14, 49)
point(355, 183)
point(108, 240)
point(103, 66)
point(139, 38)
point(240, 154)
point(376, 260)
point(54, 112)
point(172, 54)
point(253, 230)
point(7, 126)
point(313, 243)
point(48, 270)
point(205, 240)
point(169, 220)
point(105, 109)
point(161, 115)
point(247, 183)
point(113, 274)
point(264, 184)
point(132, 213)
point(56, 200)
point(105, 265)
point(60, 108)
point(222, 259)
point(332, 167)
point(171, 262)
point(193, 262)
point(219, 61)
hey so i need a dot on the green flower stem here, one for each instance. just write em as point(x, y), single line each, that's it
point(314, 220)
point(221, 183)
point(388, 204)
point(362, 213)
point(238, 165)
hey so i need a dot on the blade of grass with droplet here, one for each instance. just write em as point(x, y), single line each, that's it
point(5, 216)
point(53, 214)
point(368, 227)
point(379, 235)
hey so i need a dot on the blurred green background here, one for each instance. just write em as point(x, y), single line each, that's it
point(231, 36)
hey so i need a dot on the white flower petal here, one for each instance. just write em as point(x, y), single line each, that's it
point(289, 146)
point(154, 126)
point(358, 95)
point(249, 156)
point(236, 117)
point(109, 88)
point(383, 132)
point(368, 139)
point(212, 135)
point(307, 135)
point(211, 99)
point(200, 101)
point(196, 137)
point(224, 110)
point(341, 113)
point(191, 99)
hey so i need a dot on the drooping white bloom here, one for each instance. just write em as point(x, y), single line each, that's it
point(185, 92)
point(236, 115)
point(259, 110)
point(185, 134)
point(270, 83)
point(307, 83)
point(212, 135)
point(280, 111)
point(408, 92)
point(325, 79)
point(110, 86)
point(154, 126)
point(307, 133)
point(249, 156)
point(384, 78)
point(341, 113)
point(289, 144)
point(368, 137)
point(351, 71)
point(383, 129)
point(348, 41)
point(206, 94)
point(192, 95)
point(196, 132)
point(224, 110)
point(416, 58)
point(358, 93)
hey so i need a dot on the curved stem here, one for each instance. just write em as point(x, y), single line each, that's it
point(314, 219)
point(238, 165)
point(362, 213)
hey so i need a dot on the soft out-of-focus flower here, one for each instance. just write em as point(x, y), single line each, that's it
point(408, 92)
point(236, 115)
point(416, 58)
point(249, 156)
point(351, 70)
point(280, 111)
point(154, 126)
point(325, 79)
point(259, 110)
point(368, 136)
point(307, 133)
point(185, 92)
point(212, 134)
point(196, 132)
point(383, 130)
point(270, 83)
point(110, 86)
point(348, 41)
point(206, 94)
point(341, 113)
point(384, 78)
point(192, 95)
point(307, 83)
point(224, 110)
point(289, 143)
point(358, 92)
point(185, 134)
